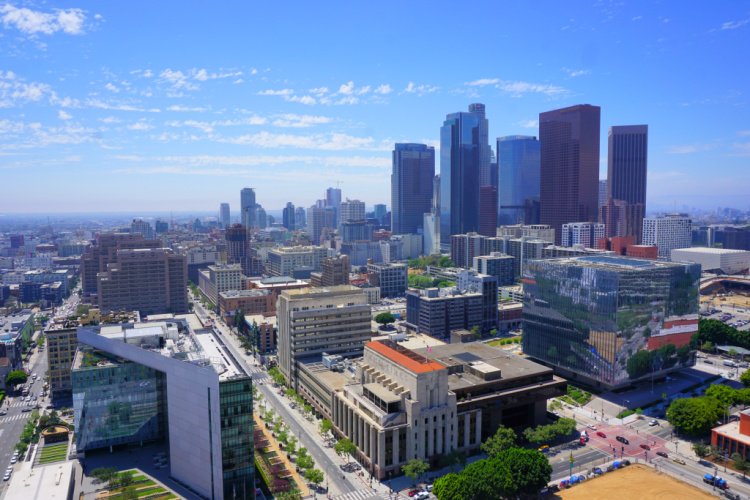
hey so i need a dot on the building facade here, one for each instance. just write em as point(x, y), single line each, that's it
point(717, 260)
point(496, 264)
point(284, 261)
point(569, 172)
point(392, 279)
point(591, 317)
point(585, 234)
point(667, 233)
point(247, 208)
point(627, 165)
point(412, 177)
point(518, 170)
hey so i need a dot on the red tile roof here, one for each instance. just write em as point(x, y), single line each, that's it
point(410, 360)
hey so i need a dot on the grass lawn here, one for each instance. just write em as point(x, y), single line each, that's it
point(53, 453)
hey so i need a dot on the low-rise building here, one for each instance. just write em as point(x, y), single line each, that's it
point(733, 437)
point(392, 279)
point(715, 260)
point(263, 329)
point(15, 336)
point(286, 261)
point(246, 302)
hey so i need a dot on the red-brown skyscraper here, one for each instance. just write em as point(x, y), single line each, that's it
point(569, 190)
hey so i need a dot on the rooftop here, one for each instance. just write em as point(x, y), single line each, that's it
point(237, 294)
point(732, 431)
point(613, 262)
point(302, 293)
point(710, 250)
point(47, 482)
point(278, 280)
point(407, 358)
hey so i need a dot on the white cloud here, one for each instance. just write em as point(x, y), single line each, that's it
point(529, 123)
point(304, 99)
point(109, 120)
point(326, 142)
point(99, 104)
point(112, 88)
point(209, 127)
point(733, 25)
point(576, 72)
point(483, 82)
point(300, 121)
point(144, 73)
point(261, 160)
point(383, 89)
point(744, 133)
point(519, 88)
point(62, 115)
point(686, 149)
point(348, 99)
point(319, 91)
point(33, 22)
point(741, 149)
point(140, 126)
point(281, 92)
point(347, 88)
point(15, 91)
point(181, 108)
point(421, 89)
point(203, 75)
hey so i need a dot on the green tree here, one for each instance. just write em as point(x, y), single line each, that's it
point(723, 394)
point(325, 426)
point(739, 463)
point(16, 377)
point(345, 447)
point(305, 462)
point(707, 346)
point(530, 470)
point(314, 476)
point(639, 364)
point(503, 439)
point(129, 493)
point(694, 416)
point(701, 449)
point(450, 487)
point(415, 468)
point(283, 437)
point(745, 378)
point(291, 445)
point(385, 318)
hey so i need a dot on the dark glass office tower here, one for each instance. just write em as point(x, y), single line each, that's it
point(518, 171)
point(411, 187)
point(288, 216)
point(627, 163)
point(462, 156)
point(569, 190)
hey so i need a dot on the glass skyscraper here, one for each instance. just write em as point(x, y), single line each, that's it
point(464, 161)
point(605, 320)
point(411, 187)
point(627, 163)
point(518, 171)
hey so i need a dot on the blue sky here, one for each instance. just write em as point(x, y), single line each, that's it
point(136, 106)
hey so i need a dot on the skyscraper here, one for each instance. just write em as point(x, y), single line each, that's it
point(667, 233)
point(603, 183)
point(288, 216)
point(300, 218)
point(261, 219)
point(351, 211)
point(411, 187)
point(143, 227)
point(333, 200)
point(321, 219)
point(627, 163)
point(380, 211)
point(488, 210)
point(462, 157)
point(247, 207)
point(569, 140)
point(224, 215)
point(237, 247)
point(518, 172)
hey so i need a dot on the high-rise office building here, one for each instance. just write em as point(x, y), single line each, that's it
point(161, 226)
point(627, 165)
point(247, 208)
point(313, 321)
point(603, 183)
point(518, 172)
point(351, 211)
point(488, 210)
point(411, 187)
point(148, 280)
point(322, 221)
point(224, 218)
point(167, 382)
point(142, 227)
point(464, 160)
point(667, 233)
point(300, 218)
point(380, 211)
point(237, 246)
point(335, 272)
point(261, 217)
point(333, 200)
point(288, 216)
point(569, 173)
point(393, 279)
point(569, 325)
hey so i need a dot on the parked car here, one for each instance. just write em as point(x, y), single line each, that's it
point(413, 493)
point(652, 423)
point(544, 448)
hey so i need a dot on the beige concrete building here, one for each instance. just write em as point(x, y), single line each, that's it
point(220, 278)
point(311, 321)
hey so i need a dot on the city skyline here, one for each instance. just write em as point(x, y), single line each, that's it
point(176, 119)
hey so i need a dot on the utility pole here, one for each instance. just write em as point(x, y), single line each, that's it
point(571, 460)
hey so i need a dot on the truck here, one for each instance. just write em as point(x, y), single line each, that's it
point(729, 363)
point(715, 481)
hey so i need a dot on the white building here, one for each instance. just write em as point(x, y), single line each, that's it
point(352, 210)
point(431, 234)
point(283, 261)
point(667, 233)
point(220, 278)
point(719, 260)
point(586, 234)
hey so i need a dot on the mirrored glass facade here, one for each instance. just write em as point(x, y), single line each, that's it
point(238, 467)
point(589, 316)
point(115, 401)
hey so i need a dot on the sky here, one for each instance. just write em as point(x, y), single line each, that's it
point(157, 106)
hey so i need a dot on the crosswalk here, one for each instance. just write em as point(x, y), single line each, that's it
point(11, 418)
point(17, 404)
point(359, 495)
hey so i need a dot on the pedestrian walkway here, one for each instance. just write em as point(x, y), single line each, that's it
point(360, 495)
point(274, 446)
point(12, 418)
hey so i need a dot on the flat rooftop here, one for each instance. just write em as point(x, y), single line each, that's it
point(710, 251)
point(332, 380)
point(732, 431)
point(242, 294)
point(613, 262)
point(47, 482)
point(302, 293)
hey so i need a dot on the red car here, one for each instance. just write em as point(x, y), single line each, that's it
point(646, 447)
point(414, 492)
point(601, 434)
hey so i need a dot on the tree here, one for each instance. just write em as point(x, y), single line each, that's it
point(325, 426)
point(739, 463)
point(639, 364)
point(415, 468)
point(723, 394)
point(385, 318)
point(291, 445)
point(745, 378)
point(305, 462)
point(345, 447)
point(283, 437)
point(314, 476)
point(450, 487)
point(701, 449)
point(694, 416)
point(529, 469)
point(16, 377)
point(503, 439)
point(129, 493)
point(707, 346)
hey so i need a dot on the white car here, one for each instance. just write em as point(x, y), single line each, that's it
point(422, 495)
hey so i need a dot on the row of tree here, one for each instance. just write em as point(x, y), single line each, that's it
point(697, 416)
point(548, 433)
point(717, 332)
point(508, 472)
